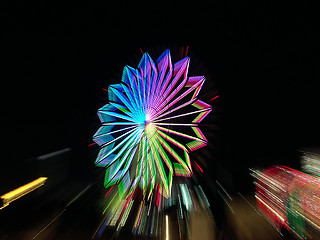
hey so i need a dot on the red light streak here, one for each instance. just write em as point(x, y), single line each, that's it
point(105, 89)
point(109, 191)
point(199, 167)
point(213, 98)
point(141, 51)
point(158, 197)
point(91, 144)
point(187, 50)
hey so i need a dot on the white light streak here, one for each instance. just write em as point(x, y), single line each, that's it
point(167, 228)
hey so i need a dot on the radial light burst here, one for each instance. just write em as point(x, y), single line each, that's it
point(150, 126)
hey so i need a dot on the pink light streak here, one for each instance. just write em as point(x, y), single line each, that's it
point(158, 198)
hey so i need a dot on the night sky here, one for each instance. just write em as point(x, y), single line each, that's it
point(263, 58)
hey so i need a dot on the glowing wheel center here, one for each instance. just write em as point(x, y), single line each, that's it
point(147, 121)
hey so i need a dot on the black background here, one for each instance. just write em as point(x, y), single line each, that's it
point(263, 57)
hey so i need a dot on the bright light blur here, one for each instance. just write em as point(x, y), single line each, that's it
point(289, 199)
point(150, 217)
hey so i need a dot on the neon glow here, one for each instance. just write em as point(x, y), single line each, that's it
point(151, 102)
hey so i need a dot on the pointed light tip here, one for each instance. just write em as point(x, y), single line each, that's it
point(186, 58)
point(182, 62)
point(145, 57)
point(166, 53)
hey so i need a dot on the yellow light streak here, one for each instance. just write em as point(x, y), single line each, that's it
point(138, 215)
point(21, 191)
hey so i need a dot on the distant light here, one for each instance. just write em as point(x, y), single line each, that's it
point(21, 191)
point(167, 228)
point(147, 117)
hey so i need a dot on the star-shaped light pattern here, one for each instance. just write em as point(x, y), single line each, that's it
point(150, 126)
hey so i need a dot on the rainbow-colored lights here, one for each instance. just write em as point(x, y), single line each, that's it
point(150, 125)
